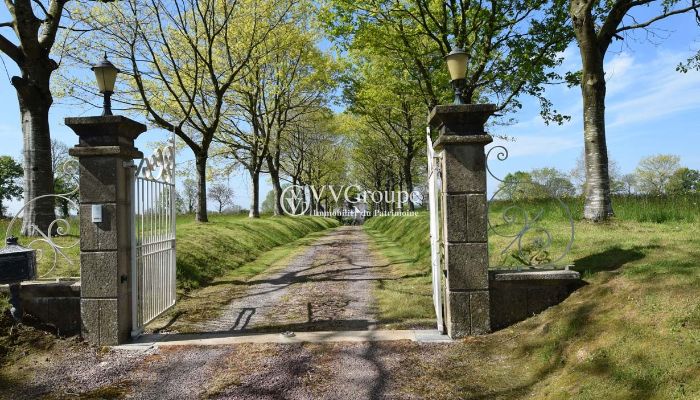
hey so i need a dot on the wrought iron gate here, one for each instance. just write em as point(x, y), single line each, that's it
point(436, 250)
point(153, 237)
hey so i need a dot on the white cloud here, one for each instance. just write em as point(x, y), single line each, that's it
point(653, 90)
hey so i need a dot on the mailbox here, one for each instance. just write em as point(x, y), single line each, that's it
point(17, 263)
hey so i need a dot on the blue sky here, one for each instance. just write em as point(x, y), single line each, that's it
point(651, 109)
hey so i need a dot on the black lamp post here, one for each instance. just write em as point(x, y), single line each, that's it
point(457, 65)
point(106, 76)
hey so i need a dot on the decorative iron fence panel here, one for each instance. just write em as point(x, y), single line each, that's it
point(153, 237)
point(530, 226)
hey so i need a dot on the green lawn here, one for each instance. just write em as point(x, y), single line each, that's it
point(633, 332)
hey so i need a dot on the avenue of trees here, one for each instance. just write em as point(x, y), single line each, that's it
point(307, 93)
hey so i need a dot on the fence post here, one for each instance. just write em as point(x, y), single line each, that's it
point(106, 143)
point(464, 220)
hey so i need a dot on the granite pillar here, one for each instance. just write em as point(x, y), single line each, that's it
point(461, 142)
point(105, 152)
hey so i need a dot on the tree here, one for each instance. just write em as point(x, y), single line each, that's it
point(35, 25)
point(595, 24)
point(554, 182)
point(65, 177)
point(222, 194)
point(518, 186)
point(189, 194)
point(383, 94)
point(10, 173)
point(627, 183)
point(654, 173)
point(684, 181)
point(512, 45)
point(268, 205)
point(182, 58)
point(578, 175)
point(290, 79)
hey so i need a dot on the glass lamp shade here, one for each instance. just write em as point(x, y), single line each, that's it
point(457, 63)
point(105, 75)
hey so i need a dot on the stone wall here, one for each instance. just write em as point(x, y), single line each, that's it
point(518, 295)
point(55, 303)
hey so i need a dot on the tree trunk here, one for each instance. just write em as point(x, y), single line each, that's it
point(409, 181)
point(201, 163)
point(276, 185)
point(598, 204)
point(254, 195)
point(38, 171)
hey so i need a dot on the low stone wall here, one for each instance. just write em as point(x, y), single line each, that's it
point(53, 302)
point(518, 295)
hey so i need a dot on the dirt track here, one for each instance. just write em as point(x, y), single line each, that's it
point(327, 287)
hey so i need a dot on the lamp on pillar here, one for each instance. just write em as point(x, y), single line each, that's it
point(457, 65)
point(106, 76)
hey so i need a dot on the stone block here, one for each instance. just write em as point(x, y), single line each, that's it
point(99, 178)
point(477, 218)
point(479, 312)
point(99, 274)
point(99, 321)
point(98, 236)
point(457, 318)
point(464, 169)
point(467, 266)
point(508, 305)
point(455, 226)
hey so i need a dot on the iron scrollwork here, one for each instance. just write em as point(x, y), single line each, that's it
point(59, 227)
point(530, 243)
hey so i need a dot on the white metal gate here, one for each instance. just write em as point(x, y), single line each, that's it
point(436, 250)
point(153, 237)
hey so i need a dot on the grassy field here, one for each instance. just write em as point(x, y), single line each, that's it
point(205, 251)
point(632, 333)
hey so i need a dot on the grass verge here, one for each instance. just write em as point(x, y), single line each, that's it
point(405, 300)
point(632, 333)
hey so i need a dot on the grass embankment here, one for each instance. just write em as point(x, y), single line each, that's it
point(227, 243)
point(406, 301)
point(632, 333)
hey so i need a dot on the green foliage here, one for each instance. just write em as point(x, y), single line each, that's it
point(268, 205)
point(512, 46)
point(537, 184)
point(206, 251)
point(654, 172)
point(684, 181)
point(10, 173)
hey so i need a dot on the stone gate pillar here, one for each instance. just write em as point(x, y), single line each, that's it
point(464, 218)
point(104, 152)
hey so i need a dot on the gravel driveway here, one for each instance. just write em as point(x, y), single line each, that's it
point(327, 287)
